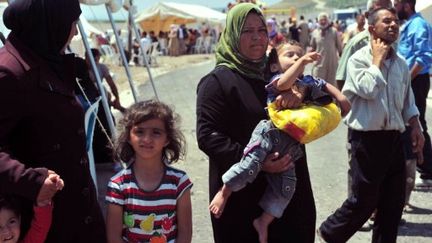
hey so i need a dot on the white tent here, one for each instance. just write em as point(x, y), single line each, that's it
point(425, 8)
point(161, 15)
point(88, 28)
point(76, 43)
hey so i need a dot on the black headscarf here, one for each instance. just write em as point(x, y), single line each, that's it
point(43, 26)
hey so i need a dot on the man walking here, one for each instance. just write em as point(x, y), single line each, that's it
point(354, 44)
point(378, 86)
point(326, 41)
point(304, 33)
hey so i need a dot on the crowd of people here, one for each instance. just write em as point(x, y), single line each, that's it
point(259, 184)
point(375, 81)
point(178, 40)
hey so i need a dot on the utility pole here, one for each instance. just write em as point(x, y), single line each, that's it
point(130, 30)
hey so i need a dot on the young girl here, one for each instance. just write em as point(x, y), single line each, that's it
point(10, 217)
point(288, 62)
point(149, 201)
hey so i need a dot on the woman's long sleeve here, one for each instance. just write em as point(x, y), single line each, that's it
point(212, 122)
point(15, 177)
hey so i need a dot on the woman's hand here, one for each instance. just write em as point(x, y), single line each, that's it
point(289, 99)
point(49, 188)
point(275, 164)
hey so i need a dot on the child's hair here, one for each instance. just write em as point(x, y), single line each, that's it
point(273, 56)
point(20, 207)
point(144, 111)
point(11, 203)
point(95, 52)
point(279, 48)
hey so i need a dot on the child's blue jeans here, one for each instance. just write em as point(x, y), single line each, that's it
point(266, 138)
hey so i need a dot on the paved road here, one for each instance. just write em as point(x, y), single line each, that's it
point(327, 162)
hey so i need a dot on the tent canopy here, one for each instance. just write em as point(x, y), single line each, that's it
point(287, 4)
point(88, 28)
point(161, 15)
point(114, 5)
point(288, 8)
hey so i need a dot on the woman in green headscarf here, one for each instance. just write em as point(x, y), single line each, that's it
point(230, 103)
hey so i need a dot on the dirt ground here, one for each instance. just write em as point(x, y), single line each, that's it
point(140, 74)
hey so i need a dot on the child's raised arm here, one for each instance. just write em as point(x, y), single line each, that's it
point(52, 184)
point(40, 224)
point(288, 78)
point(343, 102)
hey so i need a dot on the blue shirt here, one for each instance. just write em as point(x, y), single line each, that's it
point(415, 43)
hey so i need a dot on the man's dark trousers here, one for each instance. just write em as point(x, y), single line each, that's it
point(378, 171)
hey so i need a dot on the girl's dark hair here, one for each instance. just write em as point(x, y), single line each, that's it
point(10, 202)
point(21, 207)
point(144, 111)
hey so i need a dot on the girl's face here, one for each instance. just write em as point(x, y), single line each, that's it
point(9, 226)
point(148, 139)
point(289, 55)
point(253, 38)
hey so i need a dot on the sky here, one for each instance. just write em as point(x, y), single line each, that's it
point(98, 13)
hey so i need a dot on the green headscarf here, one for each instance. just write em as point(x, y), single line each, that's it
point(227, 51)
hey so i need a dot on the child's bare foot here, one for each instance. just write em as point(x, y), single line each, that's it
point(261, 229)
point(261, 226)
point(217, 205)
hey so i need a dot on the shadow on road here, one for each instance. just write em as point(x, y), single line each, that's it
point(418, 210)
point(416, 229)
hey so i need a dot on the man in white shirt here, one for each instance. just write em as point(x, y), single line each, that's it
point(355, 28)
point(378, 86)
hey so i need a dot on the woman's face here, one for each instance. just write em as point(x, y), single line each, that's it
point(73, 32)
point(253, 38)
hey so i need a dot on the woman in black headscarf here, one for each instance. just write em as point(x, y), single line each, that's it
point(41, 123)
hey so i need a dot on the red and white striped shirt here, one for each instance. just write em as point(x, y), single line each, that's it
point(148, 214)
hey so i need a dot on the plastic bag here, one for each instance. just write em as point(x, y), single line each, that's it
point(306, 123)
